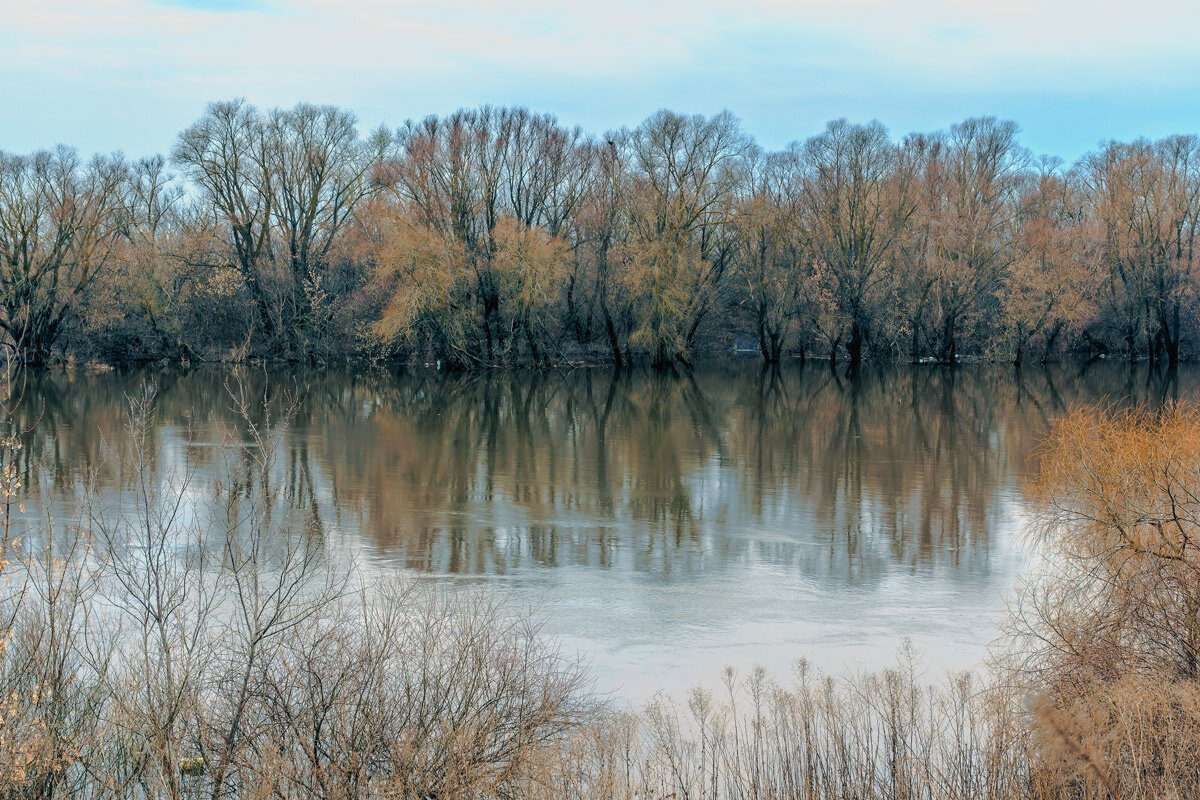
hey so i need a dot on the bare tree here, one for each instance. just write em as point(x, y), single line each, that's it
point(226, 156)
point(159, 578)
point(603, 233)
point(974, 223)
point(59, 222)
point(774, 261)
point(320, 173)
point(686, 170)
point(1145, 198)
point(1048, 283)
point(284, 185)
point(856, 204)
point(485, 185)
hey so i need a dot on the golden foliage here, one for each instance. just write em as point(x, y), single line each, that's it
point(422, 268)
point(1118, 513)
point(531, 265)
point(1109, 625)
point(1136, 738)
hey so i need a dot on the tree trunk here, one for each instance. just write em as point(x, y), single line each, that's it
point(948, 354)
point(768, 344)
point(662, 360)
point(1050, 342)
point(613, 341)
point(854, 346)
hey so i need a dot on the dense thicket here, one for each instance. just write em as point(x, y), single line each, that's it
point(499, 236)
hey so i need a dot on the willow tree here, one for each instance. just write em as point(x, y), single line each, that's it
point(446, 172)
point(145, 299)
point(1116, 506)
point(920, 157)
point(855, 205)
point(319, 174)
point(547, 177)
point(497, 188)
point(1048, 282)
point(60, 219)
point(602, 235)
point(284, 185)
point(686, 170)
point(975, 223)
point(225, 155)
point(1145, 199)
point(778, 281)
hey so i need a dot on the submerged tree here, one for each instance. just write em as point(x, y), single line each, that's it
point(974, 224)
point(1046, 287)
point(480, 182)
point(284, 186)
point(496, 236)
point(779, 279)
point(855, 204)
point(1145, 199)
point(686, 170)
point(60, 219)
point(226, 157)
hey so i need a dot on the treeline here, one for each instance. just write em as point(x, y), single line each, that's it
point(498, 236)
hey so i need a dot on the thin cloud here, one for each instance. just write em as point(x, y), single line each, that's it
point(142, 70)
point(216, 6)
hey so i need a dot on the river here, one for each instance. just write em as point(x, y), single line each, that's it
point(662, 527)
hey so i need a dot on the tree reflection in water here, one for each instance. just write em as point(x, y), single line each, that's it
point(845, 474)
point(732, 484)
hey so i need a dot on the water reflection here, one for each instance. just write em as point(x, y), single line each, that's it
point(633, 500)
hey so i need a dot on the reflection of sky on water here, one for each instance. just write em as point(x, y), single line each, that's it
point(769, 604)
point(663, 527)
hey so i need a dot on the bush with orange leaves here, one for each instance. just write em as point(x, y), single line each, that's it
point(1118, 515)
point(1109, 626)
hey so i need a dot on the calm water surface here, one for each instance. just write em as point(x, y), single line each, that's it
point(664, 526)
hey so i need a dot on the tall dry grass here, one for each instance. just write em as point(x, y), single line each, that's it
point(887, 734)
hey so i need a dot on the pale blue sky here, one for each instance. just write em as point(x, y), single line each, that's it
point(129, 74)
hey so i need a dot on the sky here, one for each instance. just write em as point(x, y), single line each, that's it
point(105, 75)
